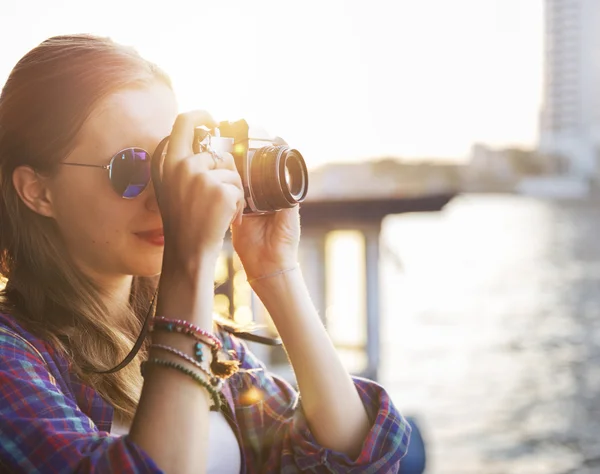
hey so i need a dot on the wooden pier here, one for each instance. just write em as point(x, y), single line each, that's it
point(321, 219)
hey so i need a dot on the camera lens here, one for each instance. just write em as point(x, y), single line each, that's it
point(295, 175)
point(279, 178)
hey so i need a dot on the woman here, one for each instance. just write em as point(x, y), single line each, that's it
point(81, 246)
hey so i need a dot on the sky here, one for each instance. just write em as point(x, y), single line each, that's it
point(339, 80)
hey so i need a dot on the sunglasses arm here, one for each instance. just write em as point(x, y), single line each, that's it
point(104, 167)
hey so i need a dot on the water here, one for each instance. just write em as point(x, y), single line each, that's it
point(491, 333)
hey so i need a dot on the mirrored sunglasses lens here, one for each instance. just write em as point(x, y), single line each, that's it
point(130, 172)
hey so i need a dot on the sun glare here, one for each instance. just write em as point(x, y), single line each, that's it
point(339, 81)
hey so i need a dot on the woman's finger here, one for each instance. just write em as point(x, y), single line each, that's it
point(211, 161)
point(228, 161)
point(227, 176)
point(182, 135)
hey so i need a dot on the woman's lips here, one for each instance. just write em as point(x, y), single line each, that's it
point(154, 237)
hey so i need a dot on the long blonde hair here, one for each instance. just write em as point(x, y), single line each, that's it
point(43, 105)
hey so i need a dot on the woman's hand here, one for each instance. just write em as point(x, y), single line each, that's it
point(267, 243)
point(200, 196)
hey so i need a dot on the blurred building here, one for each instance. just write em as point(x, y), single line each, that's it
point(383, 178)
point(570, 115)
point(489, 169)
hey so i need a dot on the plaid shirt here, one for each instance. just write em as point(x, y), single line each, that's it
point(52, 423)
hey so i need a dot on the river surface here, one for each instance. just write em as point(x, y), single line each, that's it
point(491, 333)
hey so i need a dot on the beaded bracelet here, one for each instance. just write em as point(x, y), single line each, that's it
point(178, 325)
point(214, 381)
point(219, 368)
point(174, 365)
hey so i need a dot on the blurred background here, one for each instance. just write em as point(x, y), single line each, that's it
point(450, 236)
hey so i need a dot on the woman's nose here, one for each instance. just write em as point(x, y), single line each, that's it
point(150, 198)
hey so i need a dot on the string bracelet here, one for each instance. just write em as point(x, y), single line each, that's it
point(199, 380)
point(274, 274)
point(179, 325)
point(220, 368)
point(214, 381)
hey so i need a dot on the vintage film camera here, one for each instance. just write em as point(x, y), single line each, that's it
point(274, 175)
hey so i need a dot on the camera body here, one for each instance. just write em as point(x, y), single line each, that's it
point(274, 176)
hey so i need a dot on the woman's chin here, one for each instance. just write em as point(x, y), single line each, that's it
point(149, 272)
point(148, 268)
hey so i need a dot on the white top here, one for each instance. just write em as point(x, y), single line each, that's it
point(223, 447)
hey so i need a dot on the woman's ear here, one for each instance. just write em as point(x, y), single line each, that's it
point(33, 190)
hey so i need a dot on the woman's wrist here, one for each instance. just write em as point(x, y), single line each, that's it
point(190, 267)
point(188, 293)
point(275, 285)
point(258, 268)
point(273, 273)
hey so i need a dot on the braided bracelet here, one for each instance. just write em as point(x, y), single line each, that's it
point(214, 381)
point(179, 325)
point(199, 380)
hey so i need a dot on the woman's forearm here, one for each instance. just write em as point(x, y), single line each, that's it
point(333, 408)
point(173, 412)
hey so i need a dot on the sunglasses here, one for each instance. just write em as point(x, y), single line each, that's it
point(128, 171)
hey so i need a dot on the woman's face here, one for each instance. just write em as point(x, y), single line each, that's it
point(102, 230)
